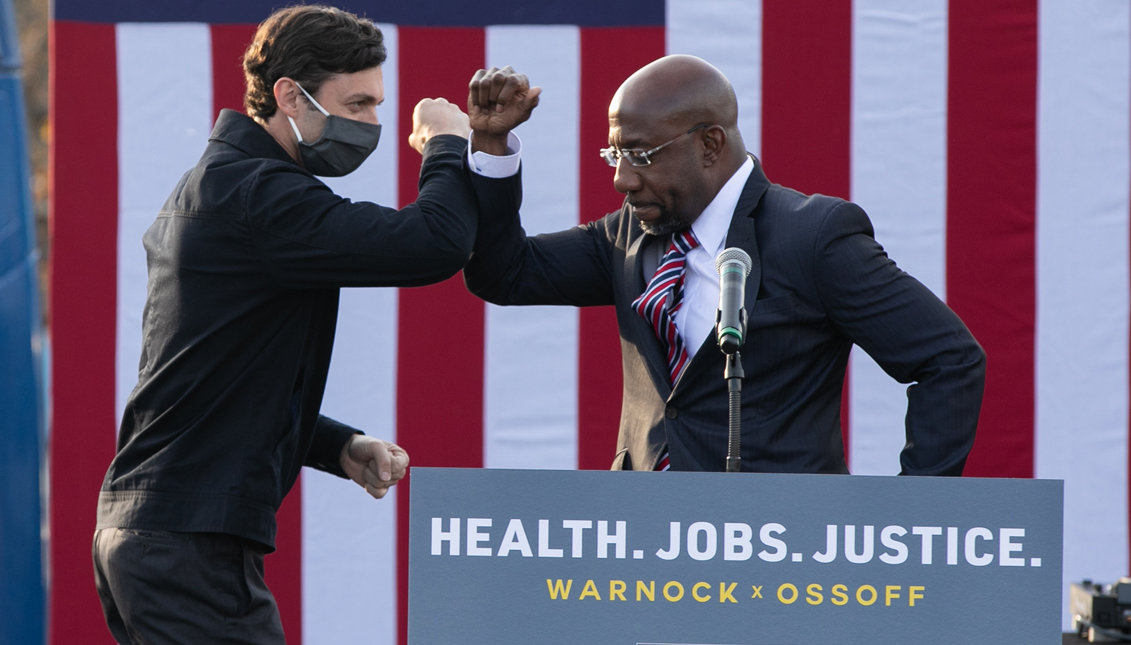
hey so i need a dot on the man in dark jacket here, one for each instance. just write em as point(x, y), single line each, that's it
point(245, 264)
point(819, 283)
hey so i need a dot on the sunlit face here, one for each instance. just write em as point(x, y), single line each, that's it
point(665, 195)
point(353, 96)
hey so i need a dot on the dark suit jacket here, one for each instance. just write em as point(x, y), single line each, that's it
point(820, 283)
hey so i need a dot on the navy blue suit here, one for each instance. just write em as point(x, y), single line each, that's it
point(820, 283)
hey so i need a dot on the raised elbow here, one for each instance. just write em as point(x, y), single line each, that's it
point(450, 263)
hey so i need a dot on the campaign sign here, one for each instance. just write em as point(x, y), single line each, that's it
point(514, 556)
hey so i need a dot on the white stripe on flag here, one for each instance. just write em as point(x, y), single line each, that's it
point(1084, 145)
point(899, 178)
point(349, 592)
point(348, 538)
point(727, 34)
point(164, 118)
point(530, 379)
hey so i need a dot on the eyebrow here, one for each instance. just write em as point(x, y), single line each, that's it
point(631, 144)
point(353, 98)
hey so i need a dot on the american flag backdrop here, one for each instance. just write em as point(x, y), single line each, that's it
point(989, 140)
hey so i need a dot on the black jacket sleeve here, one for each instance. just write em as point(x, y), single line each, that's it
point(308, 237)
point(325, 452)
point(910, 333)
point(571, 267)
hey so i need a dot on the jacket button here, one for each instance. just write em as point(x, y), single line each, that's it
point(672, 413)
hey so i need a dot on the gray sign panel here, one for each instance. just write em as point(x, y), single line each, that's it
point(512, 556)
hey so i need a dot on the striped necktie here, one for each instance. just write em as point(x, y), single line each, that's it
point(661, 301)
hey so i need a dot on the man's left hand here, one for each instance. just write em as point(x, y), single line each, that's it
point(374, 464)
point(498, 101)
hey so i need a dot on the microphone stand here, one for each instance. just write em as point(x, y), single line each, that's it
point(733, 265)
point(734, 375)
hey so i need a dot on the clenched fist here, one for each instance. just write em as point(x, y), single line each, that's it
point(433, 117)
point(498, 101)
point(374, 464)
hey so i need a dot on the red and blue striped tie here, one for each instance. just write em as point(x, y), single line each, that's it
point(661, 301)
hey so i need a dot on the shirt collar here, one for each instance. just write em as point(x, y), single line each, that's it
point(712, 225)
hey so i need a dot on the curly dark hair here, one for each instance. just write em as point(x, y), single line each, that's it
point(307, 43)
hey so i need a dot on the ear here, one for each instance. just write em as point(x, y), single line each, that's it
point(286, 96)
point(714, 141)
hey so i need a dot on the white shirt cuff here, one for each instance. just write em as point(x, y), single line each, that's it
point(496, 167)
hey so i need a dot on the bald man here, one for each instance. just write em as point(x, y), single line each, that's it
point(820, 283)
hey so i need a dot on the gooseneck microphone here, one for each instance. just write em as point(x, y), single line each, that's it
point(733, 265)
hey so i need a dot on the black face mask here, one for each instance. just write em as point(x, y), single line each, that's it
point(343, 146)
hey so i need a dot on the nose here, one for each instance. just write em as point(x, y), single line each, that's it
point(627, 179)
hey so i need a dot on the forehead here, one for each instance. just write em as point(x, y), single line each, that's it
point(633, 131)
point(368, 82)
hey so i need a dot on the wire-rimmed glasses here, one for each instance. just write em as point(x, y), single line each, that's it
point(636, 156)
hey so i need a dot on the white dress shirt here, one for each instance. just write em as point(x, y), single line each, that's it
point(696, 318)
point(494, 167)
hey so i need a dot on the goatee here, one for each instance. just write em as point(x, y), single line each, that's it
point(666, 224)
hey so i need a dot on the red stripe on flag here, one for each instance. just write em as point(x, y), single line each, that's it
point(283, 568)
point(807, 94)
point(845, 420)
point(228, 45)
point(439, 417)
point(991, 215)
point(84, 279)
point(807, 104)
point(605, 63)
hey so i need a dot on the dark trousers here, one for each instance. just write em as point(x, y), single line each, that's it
point(159, 587)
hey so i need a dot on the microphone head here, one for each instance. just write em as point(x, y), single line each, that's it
point(732, 256)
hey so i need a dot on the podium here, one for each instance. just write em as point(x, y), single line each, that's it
point(571, 557)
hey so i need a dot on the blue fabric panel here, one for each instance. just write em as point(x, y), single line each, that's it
point(15, 212)
point(436, 13)
point(21, 576)
point(22, 594)
point(9, 44)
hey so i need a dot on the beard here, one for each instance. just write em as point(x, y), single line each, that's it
point(666, 224)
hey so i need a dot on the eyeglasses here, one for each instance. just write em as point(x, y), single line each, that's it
point(637, 157)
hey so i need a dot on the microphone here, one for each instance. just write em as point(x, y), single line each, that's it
point(733, 265)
